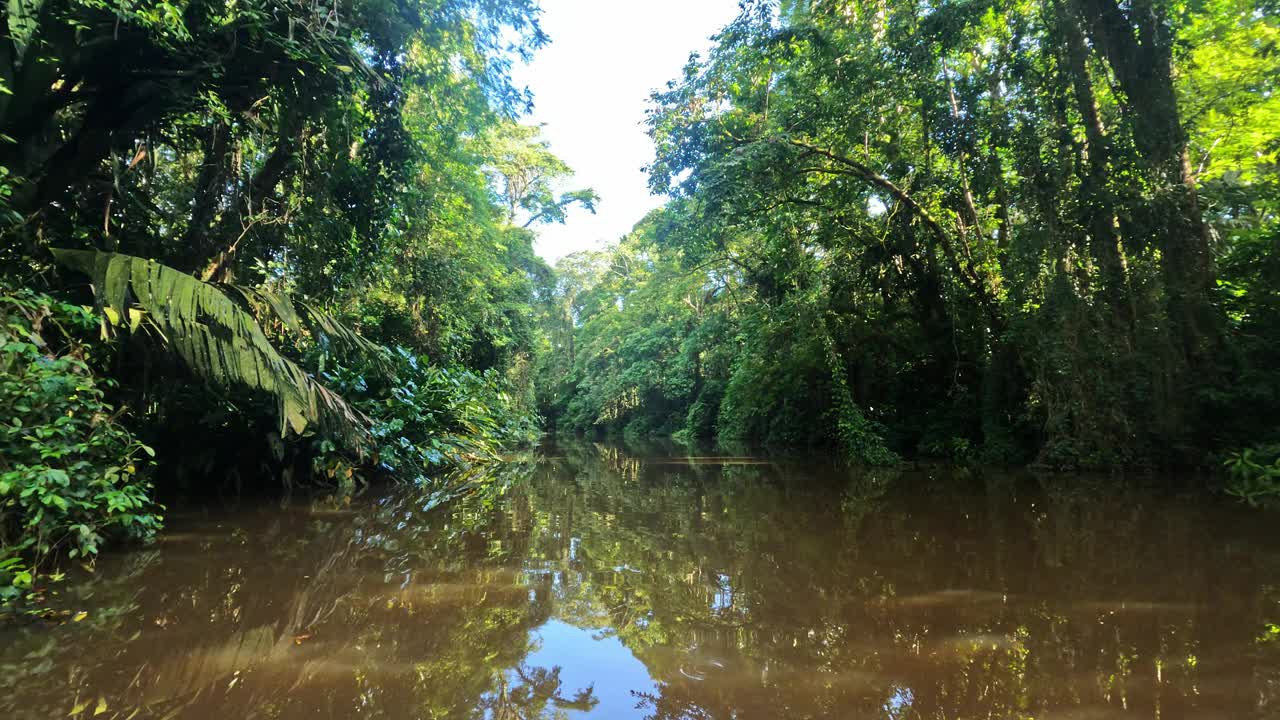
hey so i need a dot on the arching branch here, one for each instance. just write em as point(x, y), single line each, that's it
point(970, 278)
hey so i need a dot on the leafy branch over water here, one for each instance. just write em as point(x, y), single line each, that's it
point(217, 339)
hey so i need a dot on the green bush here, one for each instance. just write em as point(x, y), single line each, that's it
point(778, 392)
point(700, 421)
point(1253, 474)
point(425, 418)
point(70, 473)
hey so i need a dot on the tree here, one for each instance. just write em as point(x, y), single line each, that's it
point(527, 173)
point(994, 212)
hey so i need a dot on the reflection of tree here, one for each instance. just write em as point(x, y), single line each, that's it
point(743, 588)
point(380, 608)
point(538, 690)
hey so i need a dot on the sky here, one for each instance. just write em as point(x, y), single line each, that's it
point(591, 86)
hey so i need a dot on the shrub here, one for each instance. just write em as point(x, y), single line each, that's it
point(69, 471)
point(425, 418)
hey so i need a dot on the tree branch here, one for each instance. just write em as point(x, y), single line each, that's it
point(970, 278)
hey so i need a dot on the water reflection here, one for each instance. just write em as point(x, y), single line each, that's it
point(592, 582)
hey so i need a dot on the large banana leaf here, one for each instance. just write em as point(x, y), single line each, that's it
point(214, 336)
point(320, 323)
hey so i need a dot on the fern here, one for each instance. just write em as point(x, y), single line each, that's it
point(216, 337)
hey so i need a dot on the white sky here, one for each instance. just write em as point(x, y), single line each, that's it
point(591, 86)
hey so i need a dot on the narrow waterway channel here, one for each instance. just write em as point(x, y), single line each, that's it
point(588, 581)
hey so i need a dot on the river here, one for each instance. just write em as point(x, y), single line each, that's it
point(589, 581)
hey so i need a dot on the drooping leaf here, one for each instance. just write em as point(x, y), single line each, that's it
point(279, 304)
point(216, 338)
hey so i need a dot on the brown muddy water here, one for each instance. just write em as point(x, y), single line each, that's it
point(587, 582)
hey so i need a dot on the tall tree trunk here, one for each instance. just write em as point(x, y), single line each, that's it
point(210, 254)
point(1137, 44)
point(215, 167)
point(1098, 213)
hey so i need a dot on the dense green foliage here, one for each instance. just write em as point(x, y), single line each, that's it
point(424, 417)
point(1254, 474)
point(986, 231)
point(287, 240)
point(295, 241)
point(69, 471)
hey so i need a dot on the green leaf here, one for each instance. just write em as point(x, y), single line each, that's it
point(217, 339)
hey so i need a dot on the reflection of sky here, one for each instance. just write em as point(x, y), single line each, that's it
point(900, 700)
point(723, 599)
point(605, 663)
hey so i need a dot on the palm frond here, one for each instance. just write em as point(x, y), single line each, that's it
point(279, 304)
point(322, 325)
point(214, 336)
point(329, 326)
